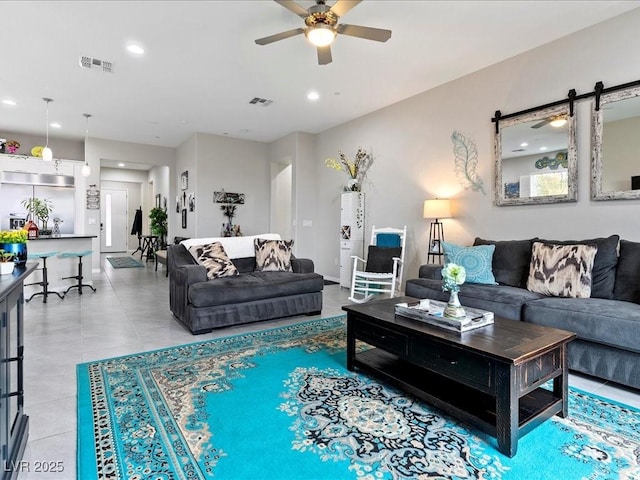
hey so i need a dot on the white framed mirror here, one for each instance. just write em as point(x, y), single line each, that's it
point(615, 145)
point(536, 158)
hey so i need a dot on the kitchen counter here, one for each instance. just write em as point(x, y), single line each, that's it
point(61, 236)
point(57, 267)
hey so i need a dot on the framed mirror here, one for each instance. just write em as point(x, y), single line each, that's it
point(615, 145)
point(535, 157)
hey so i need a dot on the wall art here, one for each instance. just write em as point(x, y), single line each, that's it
point(184, 180)
point(466, 162)
point(228, 197)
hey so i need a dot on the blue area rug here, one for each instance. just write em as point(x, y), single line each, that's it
point(280, 404)
point(124, 262)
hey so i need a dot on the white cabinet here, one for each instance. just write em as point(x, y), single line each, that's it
point(351, 233)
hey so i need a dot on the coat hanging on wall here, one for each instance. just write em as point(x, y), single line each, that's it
point(136, 228)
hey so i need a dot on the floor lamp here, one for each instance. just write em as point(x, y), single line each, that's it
point(436, 209)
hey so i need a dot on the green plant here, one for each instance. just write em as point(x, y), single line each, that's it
point(13, 236)
point(5, 257)
point(39, 208)
point(158, 218)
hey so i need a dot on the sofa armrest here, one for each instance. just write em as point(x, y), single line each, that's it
point(189, 274)
point(302, 265)
point(431, 270)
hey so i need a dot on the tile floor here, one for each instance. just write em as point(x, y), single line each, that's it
point(128, 314)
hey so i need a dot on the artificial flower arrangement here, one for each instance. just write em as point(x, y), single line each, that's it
point(356, 169)
point(12, 146)
point(453, 276)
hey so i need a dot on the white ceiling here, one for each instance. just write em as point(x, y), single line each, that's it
point(201, 66)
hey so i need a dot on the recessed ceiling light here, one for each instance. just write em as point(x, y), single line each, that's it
point(313, 96)
point(524, 144)
point(135, 49)
point(543, 149)
point(244, 130)
point(121, 164)
point(9, 102)
point(55, 125)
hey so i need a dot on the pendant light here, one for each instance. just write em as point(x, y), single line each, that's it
point(86, 169)
point(47, 154)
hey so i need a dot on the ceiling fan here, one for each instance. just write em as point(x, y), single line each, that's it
point(322, 26)
point(556, 121)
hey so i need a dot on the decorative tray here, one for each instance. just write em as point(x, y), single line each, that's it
point(431, 312)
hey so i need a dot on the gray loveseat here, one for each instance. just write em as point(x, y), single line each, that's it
point(607, 324)
point(201, 304)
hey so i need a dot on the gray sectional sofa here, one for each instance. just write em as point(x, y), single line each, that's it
point(202, 304)
point(607, 324)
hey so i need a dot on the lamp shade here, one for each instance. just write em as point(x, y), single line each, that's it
point(437, 208)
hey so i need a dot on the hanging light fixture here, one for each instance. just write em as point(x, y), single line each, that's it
point(86, 169)
point(47, 154)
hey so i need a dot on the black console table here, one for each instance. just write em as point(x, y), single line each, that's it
point(14, 424)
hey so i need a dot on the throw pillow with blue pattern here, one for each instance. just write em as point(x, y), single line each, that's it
point(475, 260)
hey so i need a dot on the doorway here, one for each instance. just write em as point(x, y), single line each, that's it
point(281, 195)
point(113, 221)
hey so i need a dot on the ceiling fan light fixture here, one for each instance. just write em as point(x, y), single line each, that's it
point(320, 35)
point(558, 122)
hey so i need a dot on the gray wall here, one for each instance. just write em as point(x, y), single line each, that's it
point(415, 160)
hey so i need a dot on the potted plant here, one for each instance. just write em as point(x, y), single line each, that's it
point(39, 208)
point(6, 263)
point(158, 226)
point(15, 243)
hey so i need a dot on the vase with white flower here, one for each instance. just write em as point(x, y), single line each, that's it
point(356, 169)
point(453, 276)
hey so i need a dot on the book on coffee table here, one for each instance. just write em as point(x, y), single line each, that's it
point(432, 312)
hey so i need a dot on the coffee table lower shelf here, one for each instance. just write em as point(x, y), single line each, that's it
point(465, 403)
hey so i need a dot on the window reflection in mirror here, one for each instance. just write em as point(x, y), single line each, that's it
point(536, 158)
point(616, 146)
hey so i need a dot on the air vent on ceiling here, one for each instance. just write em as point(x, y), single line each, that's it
point(90, 62)
point(261, 101)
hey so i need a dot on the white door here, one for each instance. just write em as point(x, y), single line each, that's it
point(113, 221)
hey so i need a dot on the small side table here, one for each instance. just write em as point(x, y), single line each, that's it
point(149, 246)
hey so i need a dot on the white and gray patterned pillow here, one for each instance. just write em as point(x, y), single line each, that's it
point(561, 270)
point(273, 255)
point(213, 257)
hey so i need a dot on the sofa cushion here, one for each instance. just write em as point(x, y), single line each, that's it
point(511, 260)
point(608, 322)
point(561, 270)
point(253, 286)
point(273, 255)
point(214, 259)
point(380, 259)
point(604, 266)
point(502, 300)
point(475, 260)
point(627, 286)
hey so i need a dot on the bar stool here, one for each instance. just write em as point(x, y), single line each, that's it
point(45, 280)
point(78, 277)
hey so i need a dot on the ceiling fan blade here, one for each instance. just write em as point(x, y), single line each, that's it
point(377, 34)
point(293, 7)
point(541, 124)
point(279, 36)
point(324, 55)
point(343, 6)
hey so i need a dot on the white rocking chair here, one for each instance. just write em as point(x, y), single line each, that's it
point(382, 271)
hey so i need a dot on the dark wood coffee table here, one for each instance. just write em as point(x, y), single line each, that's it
point(489, 378)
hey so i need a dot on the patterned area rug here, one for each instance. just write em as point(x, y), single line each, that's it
point(124, 262)
point(280, 405)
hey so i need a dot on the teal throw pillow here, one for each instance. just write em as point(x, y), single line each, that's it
point(475, 260)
